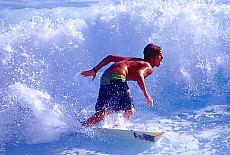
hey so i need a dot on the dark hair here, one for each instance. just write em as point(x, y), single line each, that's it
point(150, 51)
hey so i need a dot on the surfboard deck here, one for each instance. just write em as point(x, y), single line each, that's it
point(146, 136)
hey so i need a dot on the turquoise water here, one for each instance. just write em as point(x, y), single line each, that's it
point(45, 45)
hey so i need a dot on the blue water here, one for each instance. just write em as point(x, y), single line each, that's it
point(45, 45)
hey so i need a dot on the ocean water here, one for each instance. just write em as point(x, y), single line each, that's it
point(44, 45)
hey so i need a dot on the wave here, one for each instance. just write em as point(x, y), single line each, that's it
point(43, 50)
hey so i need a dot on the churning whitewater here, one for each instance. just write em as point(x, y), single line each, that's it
point(44, 46)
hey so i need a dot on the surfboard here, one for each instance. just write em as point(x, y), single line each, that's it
point(145, 136)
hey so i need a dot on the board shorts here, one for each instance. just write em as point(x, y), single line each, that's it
point(114, 93)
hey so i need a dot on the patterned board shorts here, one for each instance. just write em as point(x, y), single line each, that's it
point(114, 96)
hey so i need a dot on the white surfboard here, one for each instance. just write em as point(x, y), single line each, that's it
point(134, 134)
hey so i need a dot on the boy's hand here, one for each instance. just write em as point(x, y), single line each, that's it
point(150, 101)
point(90, 72)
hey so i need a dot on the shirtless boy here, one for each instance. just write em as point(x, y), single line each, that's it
point(114, 94)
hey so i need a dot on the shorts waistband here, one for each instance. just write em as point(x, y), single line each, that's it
point(109, 76)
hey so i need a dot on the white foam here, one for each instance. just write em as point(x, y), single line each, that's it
point(46, 123)
point(116, 120)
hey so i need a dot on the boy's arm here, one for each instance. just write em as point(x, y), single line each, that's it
point(107, 60)
point(142, 73)
point(104, 62)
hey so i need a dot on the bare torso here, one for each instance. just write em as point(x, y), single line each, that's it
point(131, 68)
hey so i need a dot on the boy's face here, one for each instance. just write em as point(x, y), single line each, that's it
point(158, 59)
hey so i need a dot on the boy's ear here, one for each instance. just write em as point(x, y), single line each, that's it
point(152, 58)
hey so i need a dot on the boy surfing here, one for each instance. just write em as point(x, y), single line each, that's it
point(114, 94)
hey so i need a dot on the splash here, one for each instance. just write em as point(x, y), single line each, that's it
point(32, 114)
point(43, 50)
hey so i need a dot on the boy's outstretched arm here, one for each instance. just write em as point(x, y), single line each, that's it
point(104, 62)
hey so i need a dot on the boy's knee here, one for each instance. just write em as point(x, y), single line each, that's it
point(132, 111)
point(129, 113)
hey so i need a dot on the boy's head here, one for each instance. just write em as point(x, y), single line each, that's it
point(151, 50)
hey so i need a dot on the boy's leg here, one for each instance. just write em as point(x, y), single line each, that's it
point(97, 117)
point(129, 113)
